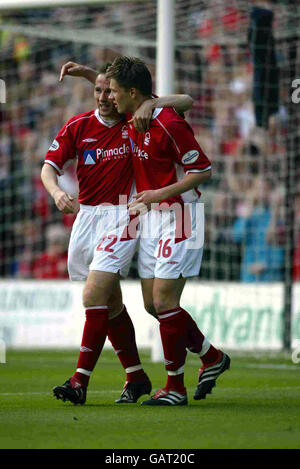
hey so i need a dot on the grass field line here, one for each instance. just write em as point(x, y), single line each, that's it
point(108, 361)
point(114, 391)
point(44, 393)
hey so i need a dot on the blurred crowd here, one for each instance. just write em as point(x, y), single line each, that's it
point(246, 235)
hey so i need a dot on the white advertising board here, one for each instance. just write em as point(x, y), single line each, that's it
point(232, 315)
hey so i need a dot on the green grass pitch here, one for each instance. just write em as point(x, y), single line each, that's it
point(255, 405)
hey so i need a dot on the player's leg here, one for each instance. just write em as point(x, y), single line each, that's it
point(96, 295)
point(177, 327)
point(173, 330)
point(147, 291)
point(195, 339)
point(121, 334)
point(114, 254)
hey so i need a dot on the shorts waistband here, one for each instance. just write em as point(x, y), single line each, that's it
point(102, 208)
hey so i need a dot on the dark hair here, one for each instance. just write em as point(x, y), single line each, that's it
point(104, 67)
point(131, 72)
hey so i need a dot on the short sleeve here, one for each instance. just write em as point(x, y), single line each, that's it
point(61, 150)
point(184, 149)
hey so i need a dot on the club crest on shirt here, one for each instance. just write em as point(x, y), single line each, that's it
point(54, 145)
point(124, 131)
point(190, 157)
point(147, 138)
point(89, 157)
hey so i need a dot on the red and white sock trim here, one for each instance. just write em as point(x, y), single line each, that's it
point(84, 372)
point(132, 369)
point(205, 347)
point(169, 313)
point(96, 307)
point(176, 372)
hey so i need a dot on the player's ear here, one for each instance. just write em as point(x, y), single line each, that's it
point(133, 93)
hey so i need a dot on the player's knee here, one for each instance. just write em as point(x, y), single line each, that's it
point(91, 297)
point(164, 302)
point(160, 304)
point(149, 307)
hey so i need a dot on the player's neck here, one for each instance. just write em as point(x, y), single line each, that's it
point(110, 121)
point(139, 101)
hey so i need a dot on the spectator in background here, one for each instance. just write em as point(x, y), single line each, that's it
point(29, 244)
point(217, 73)
point(52, 264)
point(257, 229)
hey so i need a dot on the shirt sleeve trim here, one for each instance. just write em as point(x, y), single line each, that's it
point(198, 170)
point(60, 172)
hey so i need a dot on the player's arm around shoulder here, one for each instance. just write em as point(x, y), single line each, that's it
point(64, 202)
point(143, 115)
point(74, 69)
point(180, 102)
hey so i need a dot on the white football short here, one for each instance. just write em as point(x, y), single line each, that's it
point(171, 242)
point(100, 240)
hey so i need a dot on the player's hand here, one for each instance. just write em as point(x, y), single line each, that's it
point(143, 201)
point(64, 202)
point(76, 70)
point(142, 116)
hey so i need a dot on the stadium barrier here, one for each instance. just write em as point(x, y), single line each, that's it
point(49, 314)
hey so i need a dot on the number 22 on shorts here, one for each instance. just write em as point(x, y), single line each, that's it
point(103, 246)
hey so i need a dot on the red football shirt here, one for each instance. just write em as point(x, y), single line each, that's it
point(164, 154)
point(104, 167)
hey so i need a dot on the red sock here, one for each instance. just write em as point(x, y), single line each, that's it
point(176, 383)
point(212, 355)
point(173, 330)
point(93, 338)
point(122, 336)
point(197, 343)
point(195, 336)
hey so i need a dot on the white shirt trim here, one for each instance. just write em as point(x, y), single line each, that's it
point(156, 112)
point(76, 120)
point(108, 124)
point(198, 170)
point(60, 171)
point(168, 133)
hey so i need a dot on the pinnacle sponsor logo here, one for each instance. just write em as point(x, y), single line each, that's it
point(111, 152)
point(89, 157)
point(142, 154)
point(92, 156)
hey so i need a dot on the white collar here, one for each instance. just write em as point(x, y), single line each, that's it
point(106, 122)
